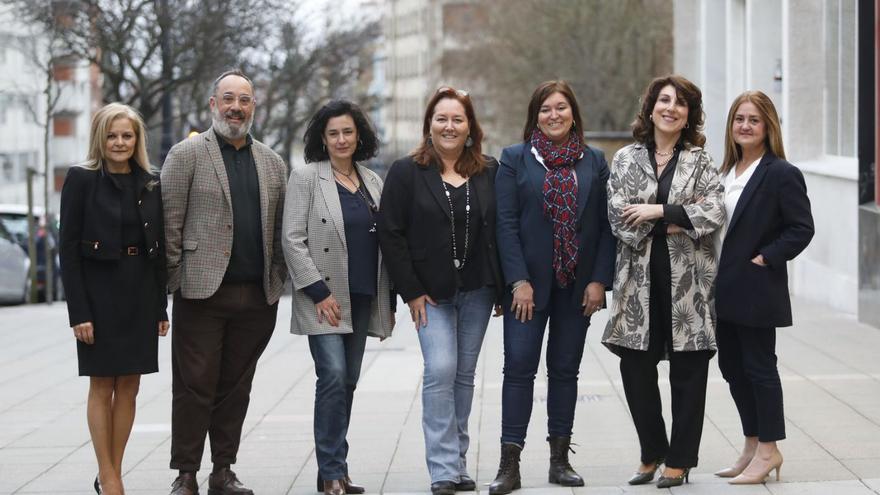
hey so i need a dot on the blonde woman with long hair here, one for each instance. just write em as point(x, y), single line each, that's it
point(113, 268)
point(768, 223)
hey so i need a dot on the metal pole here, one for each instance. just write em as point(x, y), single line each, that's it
point(32, 231)
point(167, 109)
point(47, 212)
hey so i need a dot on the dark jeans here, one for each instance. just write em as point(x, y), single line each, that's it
point(338, 360)
point(747, 358)
point(522, 354)
point(215, 345)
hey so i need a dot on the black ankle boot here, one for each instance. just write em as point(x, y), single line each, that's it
point(507, 479)
point(561, 472)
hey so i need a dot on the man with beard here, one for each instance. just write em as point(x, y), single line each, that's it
point(223, 195)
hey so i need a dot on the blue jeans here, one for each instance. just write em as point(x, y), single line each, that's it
point(522, 354)
point(338, 360)
point(451, 344)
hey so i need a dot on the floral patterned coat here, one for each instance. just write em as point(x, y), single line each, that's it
point(696, 185)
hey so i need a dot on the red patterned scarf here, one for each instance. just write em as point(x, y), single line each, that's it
point(560, 199)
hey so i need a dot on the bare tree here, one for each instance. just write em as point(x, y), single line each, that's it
point(607, 51)
point(160, 56)
point(43, 51)
point(149, 50)
point(299, 78)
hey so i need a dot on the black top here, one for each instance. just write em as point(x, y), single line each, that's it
point(246, 260)
point(660, 266)
point(672, 214)
point(474, 274)
point(132, 232)
point(415, 233)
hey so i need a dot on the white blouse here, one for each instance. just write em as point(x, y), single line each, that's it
point(733, 188)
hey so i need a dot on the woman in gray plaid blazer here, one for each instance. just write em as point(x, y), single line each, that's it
point(342, 291)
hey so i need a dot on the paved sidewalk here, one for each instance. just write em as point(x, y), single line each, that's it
point(829, 363)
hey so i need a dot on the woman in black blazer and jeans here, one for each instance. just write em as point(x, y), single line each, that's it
point(113, 268)
point(437, 234)
point(768, 223)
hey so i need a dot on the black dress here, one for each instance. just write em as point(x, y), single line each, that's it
point(120, 292)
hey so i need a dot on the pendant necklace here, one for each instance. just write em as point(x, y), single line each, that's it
point(359, 191)
point(459, 263)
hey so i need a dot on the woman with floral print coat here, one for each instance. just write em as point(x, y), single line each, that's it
point(664, 202)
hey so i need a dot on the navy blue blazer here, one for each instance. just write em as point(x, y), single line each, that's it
point(772, 218)
point(525, 235)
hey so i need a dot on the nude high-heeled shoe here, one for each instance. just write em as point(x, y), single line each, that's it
point(746, 478)
point(738, 467)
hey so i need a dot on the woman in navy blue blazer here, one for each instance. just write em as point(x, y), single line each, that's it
point(557, 255)
point(768, 223)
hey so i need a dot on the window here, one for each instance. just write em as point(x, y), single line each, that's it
point(64, 68)
point(7, 168)
point(64, 124)
point(840, 117)
point(62, 72)
point(5, 40)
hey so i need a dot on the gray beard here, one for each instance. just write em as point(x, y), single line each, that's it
point(229, 132)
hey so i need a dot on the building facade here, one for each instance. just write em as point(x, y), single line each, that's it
point(24, 62)
point(805, 55)
point(420, 37)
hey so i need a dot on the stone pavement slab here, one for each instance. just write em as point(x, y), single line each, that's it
point(829, 365)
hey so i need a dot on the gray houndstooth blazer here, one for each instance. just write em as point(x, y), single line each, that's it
point(198, 216)
point(315, 249)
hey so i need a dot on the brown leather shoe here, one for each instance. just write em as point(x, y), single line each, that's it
point(351, 488)
point(225, 482)
point(185, 484)
point(334, 487)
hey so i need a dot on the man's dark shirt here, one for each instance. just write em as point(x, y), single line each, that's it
point(246, 259)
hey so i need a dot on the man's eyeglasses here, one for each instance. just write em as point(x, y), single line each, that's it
point(243, 100)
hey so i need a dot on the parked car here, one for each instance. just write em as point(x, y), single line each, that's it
point(14, 218)
point(14, 265)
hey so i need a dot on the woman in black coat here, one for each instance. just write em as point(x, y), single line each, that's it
point(768, 223)
point(113, 269)
point(437, 234)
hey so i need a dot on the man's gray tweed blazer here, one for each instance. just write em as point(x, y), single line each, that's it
point(198, 216)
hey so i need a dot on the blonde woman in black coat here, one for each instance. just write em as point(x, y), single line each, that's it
point(113, 269)
point(768, 223)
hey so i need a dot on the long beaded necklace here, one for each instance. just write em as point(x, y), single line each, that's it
point(459, 263)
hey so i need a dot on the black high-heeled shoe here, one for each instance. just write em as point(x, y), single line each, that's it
point(640, 478)
point(679, 480)
point(97, 486)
